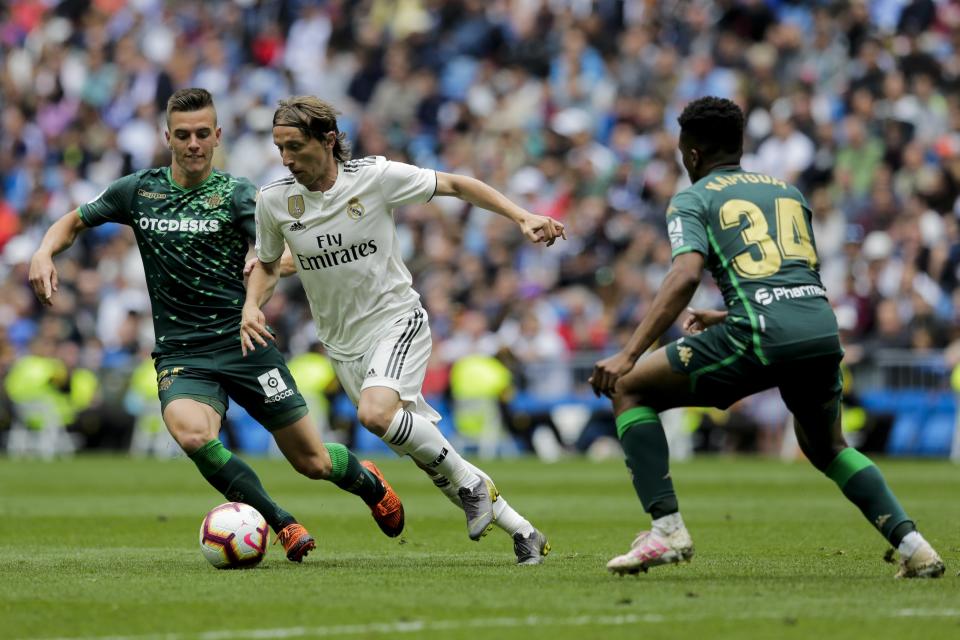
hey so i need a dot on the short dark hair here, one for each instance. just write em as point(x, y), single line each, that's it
point(315, 118)
point(714, 123)
point(192, 99)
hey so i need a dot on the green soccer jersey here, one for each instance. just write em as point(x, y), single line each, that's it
point(193, 243)
point(754, 233)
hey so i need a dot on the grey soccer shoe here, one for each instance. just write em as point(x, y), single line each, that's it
point(650, 549)
point(477, 503)
point(923, 563)
point(531, 549)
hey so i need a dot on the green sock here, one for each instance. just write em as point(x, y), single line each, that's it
point(863, 485)
point(232, 477)
point(351, 476)
point(648, 458)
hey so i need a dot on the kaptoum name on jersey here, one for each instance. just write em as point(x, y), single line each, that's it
point(719, 183)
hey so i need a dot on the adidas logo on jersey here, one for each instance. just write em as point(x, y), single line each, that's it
point(297, 226)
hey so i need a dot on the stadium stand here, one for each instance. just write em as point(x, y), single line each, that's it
point(569, 107)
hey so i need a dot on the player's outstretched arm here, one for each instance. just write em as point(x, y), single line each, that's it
point(535, 228)
point(59, 237)
point(253, 324)
point(674, 295)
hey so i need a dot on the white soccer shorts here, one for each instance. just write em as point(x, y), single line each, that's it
point(398, 361)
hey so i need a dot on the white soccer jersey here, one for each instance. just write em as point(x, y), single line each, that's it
point(345, 247)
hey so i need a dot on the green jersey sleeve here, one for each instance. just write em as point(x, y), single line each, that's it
point(113, 205)
point(685, 224)
point(244, 205)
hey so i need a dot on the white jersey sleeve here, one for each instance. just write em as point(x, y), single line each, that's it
point(269, 244)
point(406, 184)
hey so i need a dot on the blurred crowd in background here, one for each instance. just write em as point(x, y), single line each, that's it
point(567, 106)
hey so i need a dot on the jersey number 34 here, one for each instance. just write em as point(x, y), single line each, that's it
point(793, 238)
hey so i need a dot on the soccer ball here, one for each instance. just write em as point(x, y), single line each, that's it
point(234, 536)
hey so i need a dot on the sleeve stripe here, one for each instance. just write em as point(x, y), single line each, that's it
point(277, 183)
point(436, 183)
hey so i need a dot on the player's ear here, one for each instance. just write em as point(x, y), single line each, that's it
point(695, 157)
point(331, 138)
point(216, 133)
point(166, 136)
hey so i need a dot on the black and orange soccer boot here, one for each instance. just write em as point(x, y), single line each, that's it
point(389, 511)
point(296, 541)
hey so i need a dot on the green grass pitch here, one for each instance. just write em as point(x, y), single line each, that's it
point(104, 547)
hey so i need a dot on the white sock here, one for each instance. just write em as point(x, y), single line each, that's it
point(909, 544)
point(447, 489)
point(506, 517)
point(417, 437)
point(668, 524)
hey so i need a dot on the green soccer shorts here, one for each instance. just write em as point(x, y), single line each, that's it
point(259, 382)
point(723, 370)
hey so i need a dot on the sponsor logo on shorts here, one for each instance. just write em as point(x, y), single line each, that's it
point(165, 378)
point(765, 296)
point(686, 354)
point(274, 388)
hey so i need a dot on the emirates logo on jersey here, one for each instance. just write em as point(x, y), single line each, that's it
point(354, 209)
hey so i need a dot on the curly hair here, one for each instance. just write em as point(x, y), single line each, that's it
point(315, 118)
point(714, 123)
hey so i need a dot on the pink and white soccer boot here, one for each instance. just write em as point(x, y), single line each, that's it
point(651, 549)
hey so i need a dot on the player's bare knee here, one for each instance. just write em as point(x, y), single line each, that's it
point(315, 467)
point(623, 400)
point(376, 418)
point(190, 440)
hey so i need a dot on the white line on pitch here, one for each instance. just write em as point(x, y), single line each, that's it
point(416, 626)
